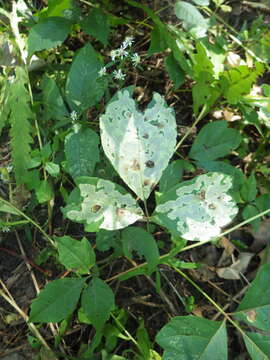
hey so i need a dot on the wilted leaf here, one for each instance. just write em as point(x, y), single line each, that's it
point(197, 209)
point(132, 140)
point(102, 204)
point(234, 271)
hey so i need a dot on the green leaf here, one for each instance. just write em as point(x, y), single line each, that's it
point(58, 7)
point(97, 25)
point(82, 152)
point(190, 337)
point(197, 209)
point(52, 168)
point(201, 2)
point(101, 204)
point(258, 345)
point(4, 102)
point(238, 81)
point(98, 302)
point(172, 175)
point(263, 202)
point(84, 87)
point(215, 140)
point(47, 34)
point(57, 300)
point(20, 115)
point(137, 239)
point(54, 106)
point(74, 254)
point(249, 189)
point(158, 40)
point(254, 309)
point(108, 239)
point(131, 140)
point(44, 192)
point(8, 209)
point(193, 20)
point(176, 74)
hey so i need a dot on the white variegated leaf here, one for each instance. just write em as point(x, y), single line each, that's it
point(197, 209)
point(139, 145)
point(101, 204)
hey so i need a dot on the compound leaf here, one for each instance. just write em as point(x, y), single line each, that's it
point(137, 239)
point(57, 300)
point(101, 204)
point(75, 254)
point(197, 209)
point(214, 141)
point(190, 337)
point(82, 152)
point(84, 87)
point(132, 140)
point(98, 302)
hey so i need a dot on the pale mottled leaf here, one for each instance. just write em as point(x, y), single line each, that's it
point(139, 145)
point(197, 209)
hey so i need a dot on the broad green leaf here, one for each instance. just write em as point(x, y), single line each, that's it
point(20, 114)
point(44, 191)
point(97, 25)
point(102, 204)
point(132, 140)
point(82, 152)
point(190, 337)
point(98, 302)
point(172, 175)
point(175, 72)
point(48, 33)
point(137, 239)
point(158, 40)
point(254, 309)
point(258, 345)
point(197, 209)
point(54, 106)
point(249, 189)
point(250, 211)
point(75, 254)
point(215, 140)
point(108, 239)
point(84, 87)
point(263, 202)
point(52, 168)
point(58, 7)
point(238, 81)
point(201, 2)
point(57, 300)
point(192, 19)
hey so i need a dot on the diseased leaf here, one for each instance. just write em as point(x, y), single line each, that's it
point(48, 33)
point(137, 239)
point(97, 25)
point(20, 115)
point(75, 254)
point(84, 87)
point(101, 204)
point(132, 140)
point(98, 302)
point(193, 20)
point(190, 337)
point(214, 141)
point(197, 209)
point(54, 106)
point(57, 300)
point(82, 152)
point(254, 309)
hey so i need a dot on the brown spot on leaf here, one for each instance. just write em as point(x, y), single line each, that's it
point(145, 136)
point(202, 195)
point(120, 212)
point(212, 206)
point(95, 208)
point(146, 182)
point(251, 316)
point(135, 165)
point(150, 164)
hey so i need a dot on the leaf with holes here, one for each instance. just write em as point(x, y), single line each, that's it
point(197, 209)
point(132, 140)
point(101, 204)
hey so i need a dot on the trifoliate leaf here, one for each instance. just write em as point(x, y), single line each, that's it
point(139, 145)
point(102, 204)
point(197, 209)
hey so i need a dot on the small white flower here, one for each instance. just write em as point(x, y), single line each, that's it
point(102, 72)
point(129, 40)
point(5, 229)
point(74, 115)
point(118, 75)
point(114, 54)
point(122, 52)
point(135, 58)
